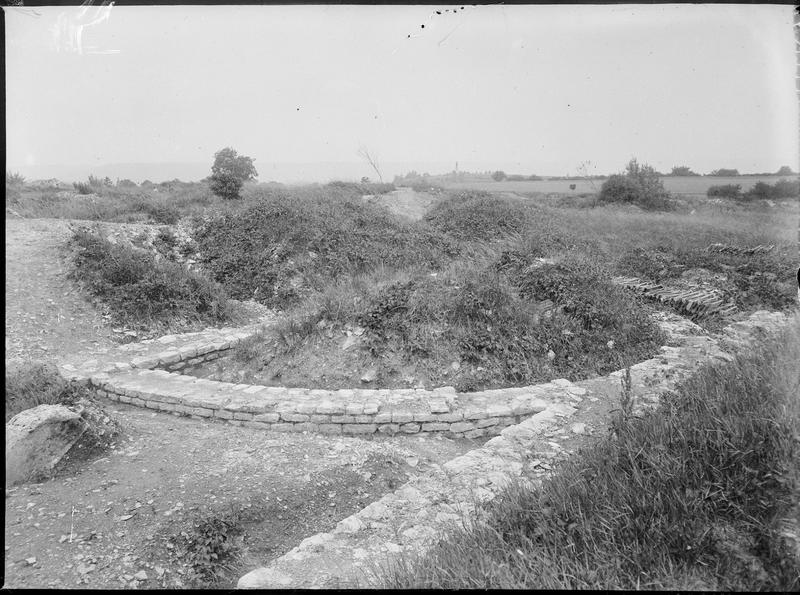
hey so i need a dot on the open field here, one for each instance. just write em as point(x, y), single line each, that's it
point(680, 185)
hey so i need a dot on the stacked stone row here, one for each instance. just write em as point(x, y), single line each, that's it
point(350, 412)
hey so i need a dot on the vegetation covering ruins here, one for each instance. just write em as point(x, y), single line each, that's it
point(486, 290)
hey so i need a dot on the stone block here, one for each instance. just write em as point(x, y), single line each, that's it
point(475, 413)
point(267, 417)
point(330, 408)
point(168, 357)
point(221, 413)
point(242, 416)
point(330, 428)
point(438, 406)
point(485, 423)
point(365, 419)
point(389, 428)
point(435, 427)
point(463, 426)
point(354, 409)
point(424, 417)
point(359, 428)
point(201, 412)
point(370, 408)
point(343, 419)
point(383, 418)
point(188, 351)
point(151, 404)
point(319, 419)
point(400, 417)
point(450, 417)
point(410, 428)
point(295, 417)
point(307, 407)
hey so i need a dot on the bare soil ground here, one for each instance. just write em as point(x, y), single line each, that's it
point(100, 523)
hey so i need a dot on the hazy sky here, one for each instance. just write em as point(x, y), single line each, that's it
point(529, 89)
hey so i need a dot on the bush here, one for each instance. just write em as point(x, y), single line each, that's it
point(499, 176)
point(39, 383)
point(725, 191)
point(640, 185)
point(476, 215)
point(140, 291)
point(781, 189)
point(725, 172)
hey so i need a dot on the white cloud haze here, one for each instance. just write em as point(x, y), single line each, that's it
point(528, 89)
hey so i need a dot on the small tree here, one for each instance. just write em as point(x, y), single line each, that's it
point(785, 170)
point(724, 172)
point(229, 173)
point(499, 176)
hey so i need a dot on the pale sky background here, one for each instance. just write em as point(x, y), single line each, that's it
point(526, 89)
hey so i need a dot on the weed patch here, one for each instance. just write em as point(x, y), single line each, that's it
point(140, 291)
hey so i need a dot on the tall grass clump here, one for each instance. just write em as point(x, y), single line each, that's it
point(140, 291)
point(693, 496)
point(38, 383)
point(287, 245)
point(478, 216)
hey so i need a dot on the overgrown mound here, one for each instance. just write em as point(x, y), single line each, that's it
point(140, 291)
point(476, 215)
point(474, 325)
point(288, 245)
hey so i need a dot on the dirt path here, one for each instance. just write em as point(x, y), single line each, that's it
point(406, 202)
point(46, 316)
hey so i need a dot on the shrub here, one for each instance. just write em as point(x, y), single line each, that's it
point(476, 215)
point(229, 173)
point(640, 185)
point(725, 191)
point(781, 189)
point(499, 176)
point(39, 383)
point(137, 289)
point(725, 172)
